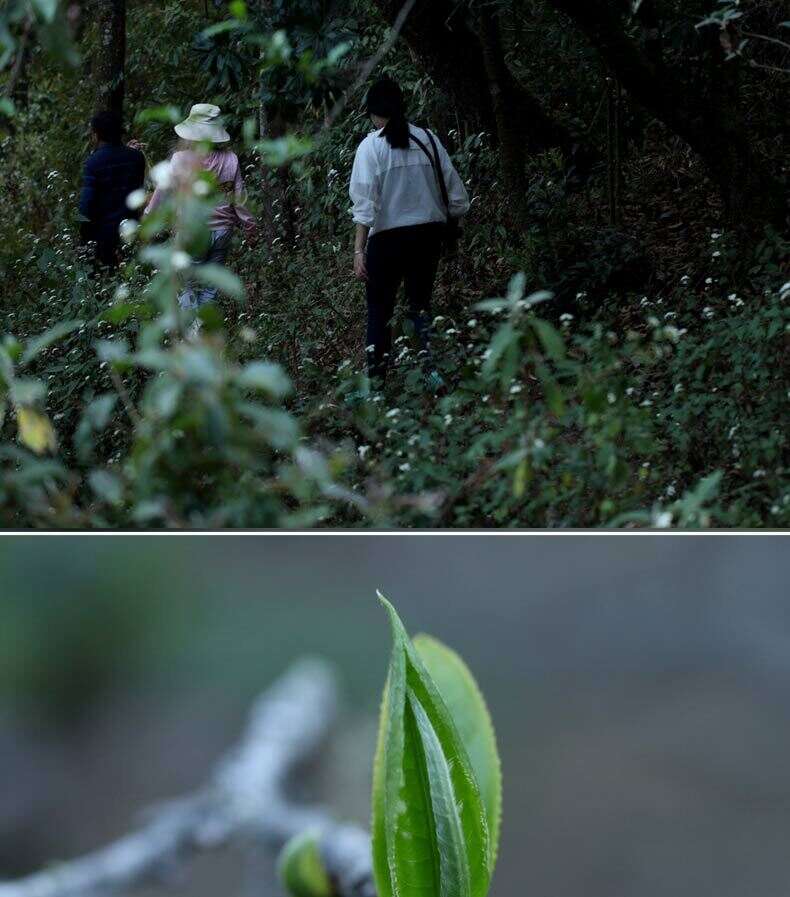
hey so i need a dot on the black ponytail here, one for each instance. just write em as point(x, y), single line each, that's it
point(385, 98)
point(397, 132)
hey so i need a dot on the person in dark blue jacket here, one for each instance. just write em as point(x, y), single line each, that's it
point(111, 173)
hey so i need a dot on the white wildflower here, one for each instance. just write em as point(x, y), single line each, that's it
point(180, 260)
point(128, 230)
point(162, 174)
point(136, 199)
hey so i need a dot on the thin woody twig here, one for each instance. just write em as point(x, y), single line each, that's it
point(245, 798)
point(370, 65)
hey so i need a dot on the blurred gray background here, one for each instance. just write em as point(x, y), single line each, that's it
point(640, 689)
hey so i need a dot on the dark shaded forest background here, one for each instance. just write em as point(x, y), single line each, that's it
point(639, 690)
point(630, 158)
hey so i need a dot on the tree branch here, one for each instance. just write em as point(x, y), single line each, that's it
point(370, 65)
point(244, 797)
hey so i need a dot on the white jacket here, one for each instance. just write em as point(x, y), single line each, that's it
point(398, 187)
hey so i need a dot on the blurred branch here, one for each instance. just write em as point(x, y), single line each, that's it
point(244, 799)
point(370, 65)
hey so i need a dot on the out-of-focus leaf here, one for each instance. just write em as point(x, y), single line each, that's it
point(284, 150)
point(26, 391)
point(107, 486)
point(113, 351)
point(36, 431)
point(550, 339)
point(167, 114)
point(122, 311)
point(264, 375)
point(301, 869)
point(278, 427)
point(48, 338)
point(503, 339)
point(221, 278)
point(45, 9)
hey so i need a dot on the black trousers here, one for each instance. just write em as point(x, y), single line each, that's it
point(408, 255)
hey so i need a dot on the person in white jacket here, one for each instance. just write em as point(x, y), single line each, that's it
point(401, 210)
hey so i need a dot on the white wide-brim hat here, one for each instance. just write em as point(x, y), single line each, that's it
point(203, 123)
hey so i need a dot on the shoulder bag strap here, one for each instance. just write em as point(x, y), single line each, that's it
point(436, 165)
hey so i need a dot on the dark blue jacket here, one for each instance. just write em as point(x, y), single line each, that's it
point(110, 175)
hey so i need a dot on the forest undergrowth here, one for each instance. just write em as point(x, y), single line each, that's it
point(628, 374)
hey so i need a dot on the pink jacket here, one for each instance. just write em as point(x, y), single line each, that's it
point(224, 165)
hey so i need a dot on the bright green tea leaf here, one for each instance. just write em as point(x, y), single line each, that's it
point(468, 709)
point(430, 825)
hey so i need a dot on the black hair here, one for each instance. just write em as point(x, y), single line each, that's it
point(107, 126)
point(385, 98)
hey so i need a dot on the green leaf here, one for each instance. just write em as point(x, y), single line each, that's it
point(167, 114)
point(430, 828)
point(301, 869)
point(46, 9)
point(550, 339)
point(26, 391)
point(468, 709)
point(265, 376)
point(47, 338)
point(284, 150)
point(7, 107)
point(120, 312)
point(238, 8)
point(221, 278)
point(107, 486)
point(506, 337)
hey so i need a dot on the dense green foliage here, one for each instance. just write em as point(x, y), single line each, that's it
point(646, 386)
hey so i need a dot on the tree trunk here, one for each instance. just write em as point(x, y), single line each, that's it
point(511, 129)
point(752, 196)
point(111, 57)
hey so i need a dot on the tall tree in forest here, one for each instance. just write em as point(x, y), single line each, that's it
point(111, 56)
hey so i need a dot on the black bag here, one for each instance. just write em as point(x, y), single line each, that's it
point(452, 226)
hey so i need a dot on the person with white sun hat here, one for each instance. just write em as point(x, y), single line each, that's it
point(205, 146)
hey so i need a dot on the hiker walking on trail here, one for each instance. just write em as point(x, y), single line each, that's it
point(205, 146)
point(407, 198)
point(111, 173)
